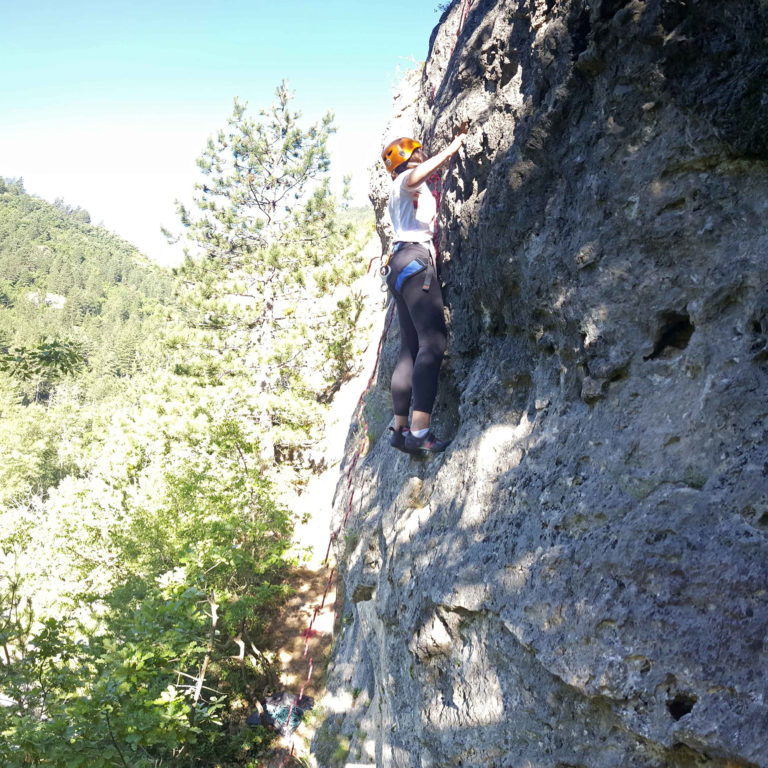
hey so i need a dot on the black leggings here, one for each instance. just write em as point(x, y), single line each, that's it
point(422, 330)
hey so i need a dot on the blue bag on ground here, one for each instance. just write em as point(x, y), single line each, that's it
point(277, 707)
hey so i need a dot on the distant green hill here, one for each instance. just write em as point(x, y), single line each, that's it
point(62, 278)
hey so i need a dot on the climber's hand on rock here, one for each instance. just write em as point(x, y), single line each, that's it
point(457, 142)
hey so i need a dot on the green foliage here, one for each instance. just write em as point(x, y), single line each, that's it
point(39, 444)
point(44, 364)
point(254, 174)
point(269, 287)
point(52, 359)
point(171, 564)
point(74, 284)
point(339, 336)
point(145, 441)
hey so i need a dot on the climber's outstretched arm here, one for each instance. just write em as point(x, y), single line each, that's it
point(424, 170)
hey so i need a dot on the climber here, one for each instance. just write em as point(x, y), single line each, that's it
point(412, 280)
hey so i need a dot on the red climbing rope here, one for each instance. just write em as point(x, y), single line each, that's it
point(435, 183)
point(466, 5)
point(309, 632)
point(463, 13)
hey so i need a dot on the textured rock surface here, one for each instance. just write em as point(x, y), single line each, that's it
point(582, 579)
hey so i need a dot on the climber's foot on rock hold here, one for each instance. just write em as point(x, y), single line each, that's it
point(426, 444)
point(397, 438)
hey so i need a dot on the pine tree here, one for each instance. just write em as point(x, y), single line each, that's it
point(265, 220)
point(270, 254)
point(256, 174)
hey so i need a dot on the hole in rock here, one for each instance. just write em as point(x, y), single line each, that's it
point(580, 29)
point(675, 205)
point(508, 70)
point(681, 705)
point(609, 8)
point(673, 335)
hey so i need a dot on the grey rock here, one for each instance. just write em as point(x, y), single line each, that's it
point(593, 389)
point(580, 583)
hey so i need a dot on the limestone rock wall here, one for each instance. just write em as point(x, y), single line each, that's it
point(582, 579)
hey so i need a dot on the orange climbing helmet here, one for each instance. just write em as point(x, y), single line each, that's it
point(398, 151)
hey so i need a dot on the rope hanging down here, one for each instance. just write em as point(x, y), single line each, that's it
point(463, 13)
point(309, 631)
point(436, 187)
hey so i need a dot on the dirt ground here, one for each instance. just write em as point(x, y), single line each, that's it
point(288, 632)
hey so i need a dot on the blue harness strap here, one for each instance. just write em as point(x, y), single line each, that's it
point(410, 269)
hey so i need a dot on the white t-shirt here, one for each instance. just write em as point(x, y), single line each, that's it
point(412, 213)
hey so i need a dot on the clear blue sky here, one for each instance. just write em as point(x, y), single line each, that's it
point(107, 104)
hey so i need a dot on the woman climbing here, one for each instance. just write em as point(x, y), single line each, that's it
point(412, 280)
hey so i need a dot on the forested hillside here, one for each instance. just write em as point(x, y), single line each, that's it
point(61, 277)
point(150, 425)
point(80, 314)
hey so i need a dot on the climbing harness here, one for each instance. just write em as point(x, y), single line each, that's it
point(415, 266)
point(409, 270)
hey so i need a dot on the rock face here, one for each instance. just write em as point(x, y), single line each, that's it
point(582, 579)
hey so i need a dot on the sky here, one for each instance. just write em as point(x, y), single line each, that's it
point(107, 104)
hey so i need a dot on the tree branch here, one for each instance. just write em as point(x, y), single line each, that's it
point(114, 740)
point(207, 659)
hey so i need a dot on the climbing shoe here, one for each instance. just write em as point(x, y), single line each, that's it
point(427, 444)
point(398, 437)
